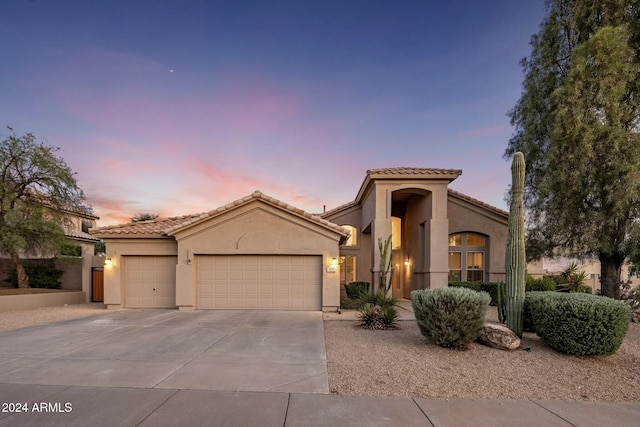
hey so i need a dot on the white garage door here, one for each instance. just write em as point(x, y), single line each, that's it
point(260, 282)
point(150, 281)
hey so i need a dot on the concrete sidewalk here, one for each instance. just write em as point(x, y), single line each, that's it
point(43, 405)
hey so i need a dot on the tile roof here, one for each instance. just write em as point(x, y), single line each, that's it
point(154, 226)
point(478, 202)
point(413, 171)
point(81, 235)
point(339, 208)
point(166, 226)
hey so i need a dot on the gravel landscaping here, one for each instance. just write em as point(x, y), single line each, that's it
point(22, 318)
point(401, 363)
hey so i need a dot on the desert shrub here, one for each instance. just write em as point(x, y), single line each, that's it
point(40, 276)
point(377, 317)
point(489, 287)
point(527, 321)
point(357, 295)
point(579, 324)
point(450, 317)
point(380, 298)
point(378, 311)
point(474, 286)
point(540, 284)
point(348, 304)
point(356, 290)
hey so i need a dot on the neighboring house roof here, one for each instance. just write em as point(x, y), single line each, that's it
point(79, 235)
point(169, 226)
point(82, 213)
point(479, 203)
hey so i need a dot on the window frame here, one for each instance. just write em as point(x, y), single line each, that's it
point(342, 260)
point(465, 250)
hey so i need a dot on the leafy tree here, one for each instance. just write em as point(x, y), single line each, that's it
point(36, 190)
point(144, 217)
point(578, 124)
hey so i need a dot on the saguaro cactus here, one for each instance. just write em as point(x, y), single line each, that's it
point(386, 265)
point(516, 259)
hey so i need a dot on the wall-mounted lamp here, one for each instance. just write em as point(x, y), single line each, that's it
point(333, 267)
point(407, 263)
point(108, 262)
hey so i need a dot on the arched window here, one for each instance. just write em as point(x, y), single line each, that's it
point(352, 240)
point(467, 257)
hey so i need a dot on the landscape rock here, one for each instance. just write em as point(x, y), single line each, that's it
point(499, 336)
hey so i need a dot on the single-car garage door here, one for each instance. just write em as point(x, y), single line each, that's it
point(260, 282)
point(150, 281)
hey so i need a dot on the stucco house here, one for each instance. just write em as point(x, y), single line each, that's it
point(261, 253)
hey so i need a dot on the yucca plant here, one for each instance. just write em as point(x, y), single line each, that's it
point(377, 317)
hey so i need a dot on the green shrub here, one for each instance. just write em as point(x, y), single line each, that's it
point(377, 317)
point(357, 295)
point(579, 324)
point(450, 317)
point(356, 290)
point(348, 304)
point(541, 284)
point(527, 321)
point(380, 298)
point(474, 286)
point(489, 287)
point(40, 276)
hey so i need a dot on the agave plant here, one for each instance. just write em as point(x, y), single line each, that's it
point(377, 317)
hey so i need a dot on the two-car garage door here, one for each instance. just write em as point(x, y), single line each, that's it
point(275, 282)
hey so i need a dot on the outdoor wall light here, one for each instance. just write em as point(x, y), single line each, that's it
point(407, 263)
point(333, 267)
point(107, 262)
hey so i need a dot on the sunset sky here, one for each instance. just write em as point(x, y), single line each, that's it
point(179, 107)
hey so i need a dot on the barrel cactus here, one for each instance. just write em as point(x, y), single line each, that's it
point(516, 262)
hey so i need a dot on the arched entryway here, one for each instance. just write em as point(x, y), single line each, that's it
point(411, 212)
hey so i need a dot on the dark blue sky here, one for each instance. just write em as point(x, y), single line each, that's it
point(181, 106)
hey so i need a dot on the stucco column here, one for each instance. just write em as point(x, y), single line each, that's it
point(438, 273)
point(112, 284)
point(185, 280)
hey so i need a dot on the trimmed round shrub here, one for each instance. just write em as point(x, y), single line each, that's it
point(450, 317)
point(579, 324)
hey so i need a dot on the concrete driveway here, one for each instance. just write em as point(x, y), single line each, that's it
point(166, 349)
